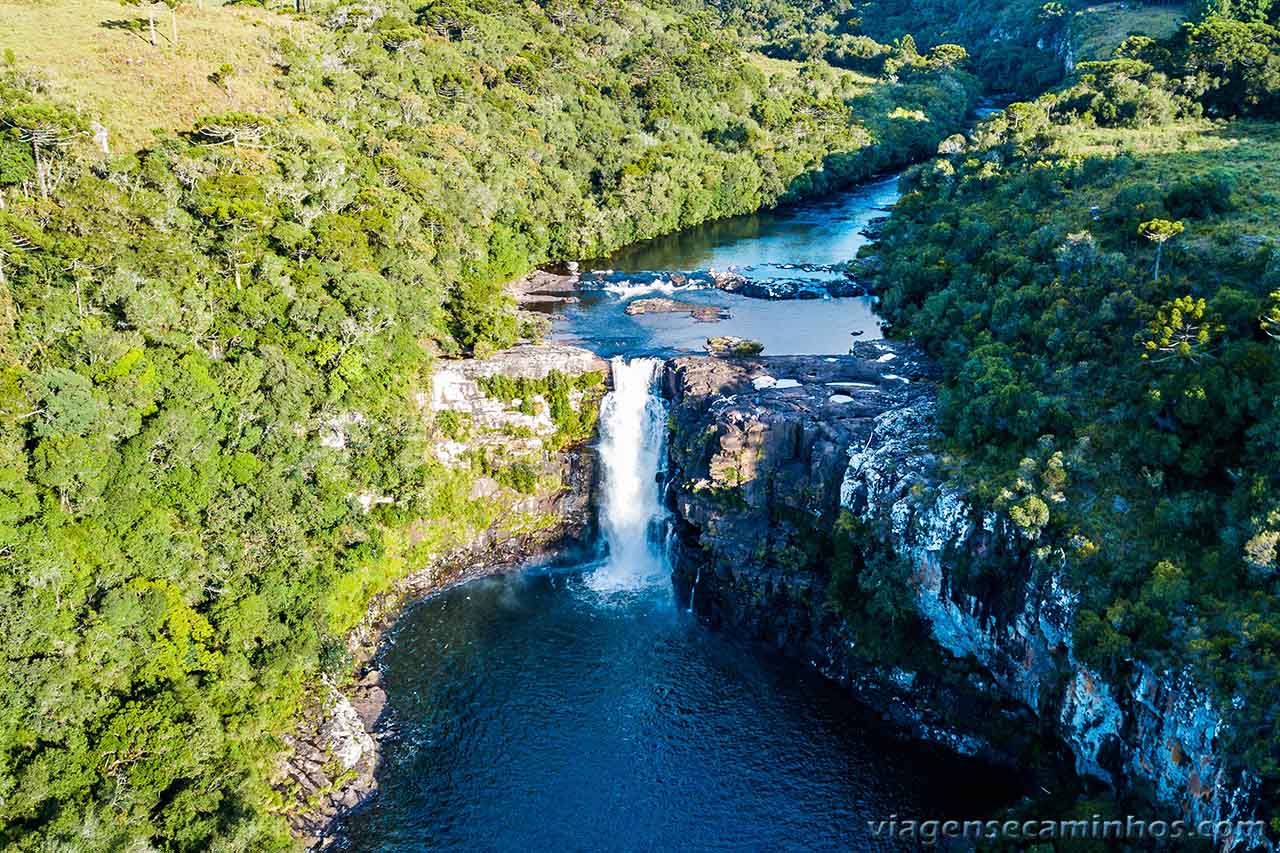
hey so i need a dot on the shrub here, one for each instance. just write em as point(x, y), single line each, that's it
point(1202, 195)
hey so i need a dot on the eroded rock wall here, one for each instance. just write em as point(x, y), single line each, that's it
point(760, 450)
point(1157, 731)
point(762, 469)
point(333, 755)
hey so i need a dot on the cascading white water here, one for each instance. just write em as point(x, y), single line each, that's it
point(633, 434)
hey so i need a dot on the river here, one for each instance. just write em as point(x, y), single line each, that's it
point(806, 243)
point(582, 707)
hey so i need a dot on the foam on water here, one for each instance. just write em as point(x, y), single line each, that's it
point(628, 289)
point(633, 452)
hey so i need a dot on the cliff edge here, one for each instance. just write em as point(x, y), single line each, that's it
point(813, 514)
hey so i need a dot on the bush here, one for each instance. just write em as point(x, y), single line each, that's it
point(1202, 195)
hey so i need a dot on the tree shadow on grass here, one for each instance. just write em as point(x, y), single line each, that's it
point(137, 26)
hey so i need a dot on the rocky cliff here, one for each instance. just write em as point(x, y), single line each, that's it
point(812, 514)
point(517, 425)
point(759, 453)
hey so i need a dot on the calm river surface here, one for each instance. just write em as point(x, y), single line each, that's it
point(797, 242)
point(582, 708)
point(534, 713)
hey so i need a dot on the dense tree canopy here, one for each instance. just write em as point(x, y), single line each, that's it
point(180, 552)
point(1015, 45)
point(1029, 262)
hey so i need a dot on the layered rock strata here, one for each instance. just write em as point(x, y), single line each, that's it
point(333, 755)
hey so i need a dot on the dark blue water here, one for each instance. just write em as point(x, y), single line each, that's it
point(584, 710)
point(532, 713)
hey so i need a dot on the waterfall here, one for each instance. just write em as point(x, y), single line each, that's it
point(633, 433)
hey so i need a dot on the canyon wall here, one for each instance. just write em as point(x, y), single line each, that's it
point(517, 426)
point(788, 470)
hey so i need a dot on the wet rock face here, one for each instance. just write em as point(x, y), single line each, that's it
point(784, 286)
point(760, 444)
point(546, 288)
point(1156, 731)
point(759, 451)
point(333, 757)
point(767, 452)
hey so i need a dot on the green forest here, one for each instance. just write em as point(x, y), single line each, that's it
point(1098, 273)
point(1018, 46)
point(309, 204)
point(183, 313)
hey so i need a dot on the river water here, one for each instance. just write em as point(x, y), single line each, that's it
point(582, 708)
point(806, 242)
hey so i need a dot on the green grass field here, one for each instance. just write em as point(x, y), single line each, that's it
point(97, 56)
point(1100, 28)
point(1248, 150)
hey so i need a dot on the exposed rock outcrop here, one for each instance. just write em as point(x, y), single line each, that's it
point(1156, 730)
point(546, 287)
point(759, 454)
point(781, 287)
point(660, 305)
point(333, 754)
point(764, 467)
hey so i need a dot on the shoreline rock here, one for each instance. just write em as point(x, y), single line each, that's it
point(333, 753)
point(662, 305)
point(546, 287)
point(758, 456)
point(761, 472)
point(783, 288)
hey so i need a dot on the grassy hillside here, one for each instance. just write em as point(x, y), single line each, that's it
point(97, 54)
point(1099, 273)
point(1098, 29)
point(184, 319)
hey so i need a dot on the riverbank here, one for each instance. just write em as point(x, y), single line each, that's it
point(334, 753)
point(813, 513)
point(332, 757)
point(585, 708)
point(759, 453)
point(542, 472)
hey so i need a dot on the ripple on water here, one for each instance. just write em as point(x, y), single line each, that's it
point(540, 715)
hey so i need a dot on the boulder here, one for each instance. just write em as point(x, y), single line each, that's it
point(662, 305)
point(732, 345)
